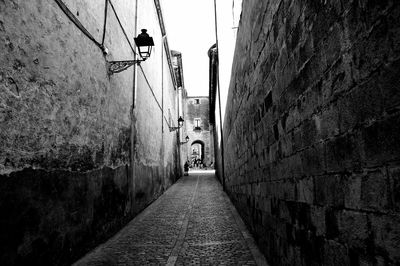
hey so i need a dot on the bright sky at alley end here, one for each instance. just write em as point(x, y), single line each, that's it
point(190, 30)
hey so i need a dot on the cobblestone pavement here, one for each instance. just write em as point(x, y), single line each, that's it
point(192, 223)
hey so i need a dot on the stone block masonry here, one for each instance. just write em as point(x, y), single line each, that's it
point(198, 128)
point(78, 157)
point(312, 145)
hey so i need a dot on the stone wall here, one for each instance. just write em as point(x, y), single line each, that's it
point(76, 163)
point(200, 111)
point(312, 146)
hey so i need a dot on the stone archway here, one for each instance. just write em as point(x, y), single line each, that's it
point(197, 151)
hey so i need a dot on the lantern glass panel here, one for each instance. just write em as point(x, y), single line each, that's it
point(145, 51)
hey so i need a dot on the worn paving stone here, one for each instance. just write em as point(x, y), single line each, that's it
point(193, 223)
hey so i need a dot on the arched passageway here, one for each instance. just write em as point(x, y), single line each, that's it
point(197, 153)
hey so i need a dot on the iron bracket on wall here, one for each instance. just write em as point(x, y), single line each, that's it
point(173, 128)
point(119, 66)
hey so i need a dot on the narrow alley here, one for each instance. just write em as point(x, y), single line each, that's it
point(192, 223)
point(201, 132)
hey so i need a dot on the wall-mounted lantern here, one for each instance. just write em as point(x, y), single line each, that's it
point(180, 124)
point(144, 43)
point(187, 140)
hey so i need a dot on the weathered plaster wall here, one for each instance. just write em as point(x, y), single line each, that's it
point(312, 130)
point(156, 149)
point(182, 95)
point(68, 176)
point(184, 129)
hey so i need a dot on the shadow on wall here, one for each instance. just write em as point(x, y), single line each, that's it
point(59, 215)
point(312, 150)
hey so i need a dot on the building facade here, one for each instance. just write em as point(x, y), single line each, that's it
point(182, 95)
point(197, 120)
point(82, 151)
point(214, 112)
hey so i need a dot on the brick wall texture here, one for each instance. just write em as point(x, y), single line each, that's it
point(312, 145)
point(76, 163)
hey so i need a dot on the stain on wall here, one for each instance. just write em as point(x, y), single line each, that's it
point(69, 177)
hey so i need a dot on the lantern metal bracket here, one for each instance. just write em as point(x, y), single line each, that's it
point(184, 142)
point(119, 66)
point(174, 128)
point(180, 124)
point(141, 41)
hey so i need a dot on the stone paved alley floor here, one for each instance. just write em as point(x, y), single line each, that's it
point(192, 223)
